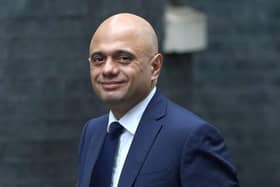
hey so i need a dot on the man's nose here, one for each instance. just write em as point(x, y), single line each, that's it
point(110, 68)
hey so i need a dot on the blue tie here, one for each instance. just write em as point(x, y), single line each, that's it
point(103, 170)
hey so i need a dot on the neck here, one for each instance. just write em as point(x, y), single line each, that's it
point(121, 108)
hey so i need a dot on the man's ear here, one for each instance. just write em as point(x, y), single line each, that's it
point(156, 64)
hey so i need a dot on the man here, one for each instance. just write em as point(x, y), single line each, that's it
point(159, 144)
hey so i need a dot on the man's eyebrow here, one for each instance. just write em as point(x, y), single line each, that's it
point(123, 51)
point(96, 53)
point(116, 52)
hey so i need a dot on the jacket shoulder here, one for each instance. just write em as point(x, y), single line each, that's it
point(94, 122)
point(182, 116)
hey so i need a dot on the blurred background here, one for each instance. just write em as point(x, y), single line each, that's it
point(225, 68)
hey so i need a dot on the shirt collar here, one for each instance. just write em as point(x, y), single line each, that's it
point(131, 119)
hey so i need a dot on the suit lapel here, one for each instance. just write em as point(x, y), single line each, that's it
point(146, 134)
point(94, 147)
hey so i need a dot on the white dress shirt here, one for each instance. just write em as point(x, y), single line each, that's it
point(130, 122)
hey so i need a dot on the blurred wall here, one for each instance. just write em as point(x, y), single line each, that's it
point(46, 96)
point(44, 90)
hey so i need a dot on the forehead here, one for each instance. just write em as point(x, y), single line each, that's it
point(112, 37)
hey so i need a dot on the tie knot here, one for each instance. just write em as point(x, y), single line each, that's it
point(115, 129)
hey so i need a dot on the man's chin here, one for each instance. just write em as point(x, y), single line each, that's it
point(112, 100)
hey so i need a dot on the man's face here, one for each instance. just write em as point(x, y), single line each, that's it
point(120, 67)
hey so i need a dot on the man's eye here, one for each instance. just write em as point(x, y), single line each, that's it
point(97, 59)
point(124, 59)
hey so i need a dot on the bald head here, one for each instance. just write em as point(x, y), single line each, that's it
point(124, 61)
point(136, 28)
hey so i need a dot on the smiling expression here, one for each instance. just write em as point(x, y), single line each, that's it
point(124, 67)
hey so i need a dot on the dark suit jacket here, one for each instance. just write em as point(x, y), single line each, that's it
point(172, 147)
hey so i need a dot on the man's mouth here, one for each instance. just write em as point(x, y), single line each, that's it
point(111, 85)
